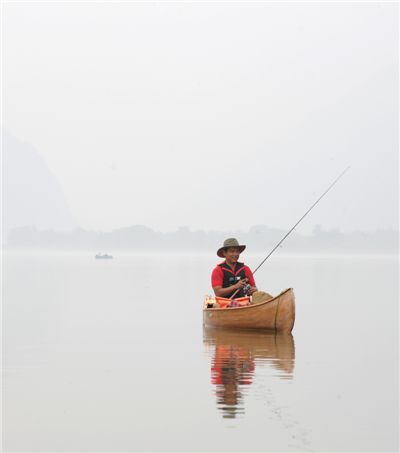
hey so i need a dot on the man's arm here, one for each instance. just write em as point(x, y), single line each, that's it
point(226, 292)
point(250, 278)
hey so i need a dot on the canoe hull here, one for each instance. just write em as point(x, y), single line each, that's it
point(277, 314)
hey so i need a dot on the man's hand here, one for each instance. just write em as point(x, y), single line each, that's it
point(252, 290)
point(240, 284)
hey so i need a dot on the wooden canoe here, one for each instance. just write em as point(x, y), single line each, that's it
point(276, 314)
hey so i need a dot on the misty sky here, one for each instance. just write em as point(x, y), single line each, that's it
point(210, 115)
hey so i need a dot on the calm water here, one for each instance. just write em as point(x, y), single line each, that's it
point(112, 356)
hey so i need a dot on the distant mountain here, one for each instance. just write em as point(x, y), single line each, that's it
point(31, 196)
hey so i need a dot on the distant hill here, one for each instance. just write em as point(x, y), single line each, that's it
point(260, 239)
point(31, 196)
point(36, 216)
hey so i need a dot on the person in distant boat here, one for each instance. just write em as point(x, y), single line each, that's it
point(231, 276)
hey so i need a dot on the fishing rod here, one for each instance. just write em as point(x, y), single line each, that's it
point(287, 234)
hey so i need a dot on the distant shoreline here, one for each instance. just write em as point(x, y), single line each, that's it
point(259, 239)
point(90, 254)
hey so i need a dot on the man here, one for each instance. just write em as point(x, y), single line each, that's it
point(231, 276)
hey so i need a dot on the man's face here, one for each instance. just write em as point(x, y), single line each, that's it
point(232, 254)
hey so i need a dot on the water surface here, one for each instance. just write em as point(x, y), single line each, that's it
point(111, 355)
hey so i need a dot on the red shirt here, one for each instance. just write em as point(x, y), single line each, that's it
point(217, 276)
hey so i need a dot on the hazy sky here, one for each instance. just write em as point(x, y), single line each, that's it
point(210, 115)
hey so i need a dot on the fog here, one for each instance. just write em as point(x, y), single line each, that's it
point(211, 116)
point(151, 132)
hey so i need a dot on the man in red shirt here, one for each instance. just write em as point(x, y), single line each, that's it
point(230, 275)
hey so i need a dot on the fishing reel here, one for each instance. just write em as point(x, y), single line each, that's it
point(246, 289)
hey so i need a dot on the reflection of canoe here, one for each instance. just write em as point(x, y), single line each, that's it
point(276, 314)
point(276, 347)
point(235, 355)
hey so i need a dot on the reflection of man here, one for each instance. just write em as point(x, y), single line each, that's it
point(231, 276)
point(232, 366)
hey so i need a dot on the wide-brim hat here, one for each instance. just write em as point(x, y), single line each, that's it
point(231, 242)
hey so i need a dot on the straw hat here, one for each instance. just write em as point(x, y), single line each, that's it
point(231, 242)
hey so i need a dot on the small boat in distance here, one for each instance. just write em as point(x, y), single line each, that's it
point(276, 314)
point(103, 256)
